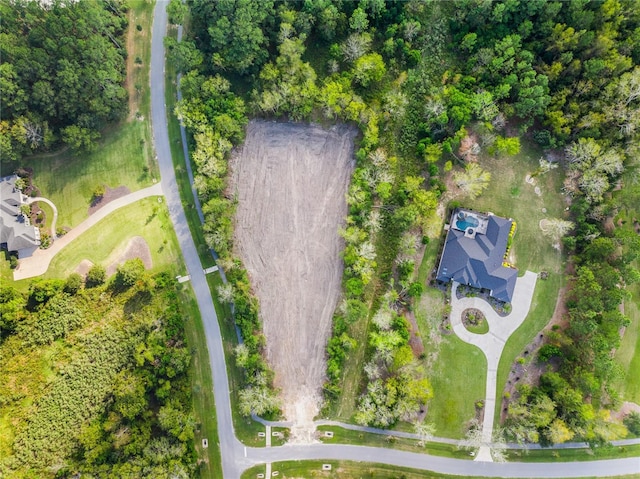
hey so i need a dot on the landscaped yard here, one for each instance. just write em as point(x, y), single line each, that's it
point(459, 373)
point(124, 155)
point(147, 218)
point(350, 469)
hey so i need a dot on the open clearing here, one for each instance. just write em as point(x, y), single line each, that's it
point(290, 181)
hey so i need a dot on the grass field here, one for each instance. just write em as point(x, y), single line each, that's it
point(202, 388)
point(124, 155)
point(360, 470)
point(457, 370)
point(346, 436)
point(628, 354)
point(459, 373)
point(147, 218)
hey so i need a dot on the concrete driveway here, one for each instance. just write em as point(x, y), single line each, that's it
point(492, 343)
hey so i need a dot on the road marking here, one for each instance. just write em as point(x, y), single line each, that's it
point(245, 451)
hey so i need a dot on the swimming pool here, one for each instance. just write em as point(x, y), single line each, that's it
point(467, 222)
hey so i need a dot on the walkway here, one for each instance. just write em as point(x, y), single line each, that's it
point(492, 343)
point(235, 457)
point(55, 212)
point(38, 263)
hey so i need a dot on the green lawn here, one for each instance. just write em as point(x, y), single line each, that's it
point(459, 372)
point(628, 354)
point(124, 155)
point(202, 389)
point(347, 436)
point(119, 160)
point(102, 243)
point(177, 154)
point(360, 470)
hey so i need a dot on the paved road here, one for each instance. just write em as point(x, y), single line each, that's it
point(39, 261)
point(230, 447)
point(492, 343)
point(236, 457)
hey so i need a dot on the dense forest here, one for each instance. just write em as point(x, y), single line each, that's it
point(416, 78)
point(95, 378)
point(61, 75)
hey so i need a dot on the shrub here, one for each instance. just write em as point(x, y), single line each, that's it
point(548, 351)
point(129, 273)
point(73, 283)
point(13, 261)
point(98, 192)
point(632, 421)
point(96, 276)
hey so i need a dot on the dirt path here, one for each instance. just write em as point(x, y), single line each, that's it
point(290, 181)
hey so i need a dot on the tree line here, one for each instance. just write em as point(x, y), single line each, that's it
point(62, 74)
point(416, 78)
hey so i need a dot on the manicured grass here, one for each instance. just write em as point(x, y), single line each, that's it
point(202, 388)
point(542, 307)
point(139, 46)
point(103, 242)
point(481, 328)
point(246, 429)
point(568, 455)
point(347, 436)
point(510, 196)
point(628, 354)
point(459, 372)
point(119, 160)
point(177, 154)
point(124, 155)
point(360, 470)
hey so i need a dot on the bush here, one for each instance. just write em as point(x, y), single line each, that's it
point(98, 192)
point(129, 273)
point(13, 261)
point(96, 276)
point(632, 421)
point(73, 283)
point(547, 352)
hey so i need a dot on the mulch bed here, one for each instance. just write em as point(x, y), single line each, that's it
point(109, 195)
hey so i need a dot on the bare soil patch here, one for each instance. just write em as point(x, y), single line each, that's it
point(109, 195)
point(84, 267)
point(136, 248)
point(290, 181)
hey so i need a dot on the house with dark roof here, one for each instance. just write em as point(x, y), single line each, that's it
point(16, 231)
point(474, 253)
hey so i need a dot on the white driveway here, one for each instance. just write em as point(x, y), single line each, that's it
point(492, 343)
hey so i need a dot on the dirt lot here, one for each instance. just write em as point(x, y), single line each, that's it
point(290, 181)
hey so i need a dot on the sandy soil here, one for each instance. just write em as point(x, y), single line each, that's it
point(290, 181)
point(136, 248)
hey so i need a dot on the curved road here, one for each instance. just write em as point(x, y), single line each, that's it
point(235, 457)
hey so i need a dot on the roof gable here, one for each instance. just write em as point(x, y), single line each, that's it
point(474, 256)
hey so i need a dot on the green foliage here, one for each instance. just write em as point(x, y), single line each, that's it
point(96, 276)
point(62, 74)
point(632, 421)
point(232, 32)
point(103, 408)
point(176, 11)
point(129, 273)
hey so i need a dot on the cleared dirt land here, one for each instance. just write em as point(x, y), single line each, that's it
point(290, 181)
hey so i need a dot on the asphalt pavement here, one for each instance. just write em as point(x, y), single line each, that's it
point(235, 457)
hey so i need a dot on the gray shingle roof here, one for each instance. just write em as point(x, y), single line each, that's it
point(14, 230)
point(476, 260)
